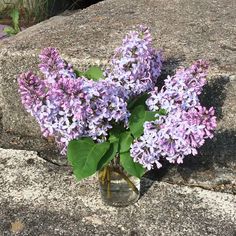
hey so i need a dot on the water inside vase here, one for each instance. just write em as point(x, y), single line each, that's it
point(120, 191)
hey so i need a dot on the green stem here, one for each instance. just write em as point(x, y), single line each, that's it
point(108, 182)
point(102, 175)
point(105, 178)
point(126, 178)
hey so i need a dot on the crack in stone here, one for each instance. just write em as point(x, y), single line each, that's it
point(202, 186)
point(228, 48)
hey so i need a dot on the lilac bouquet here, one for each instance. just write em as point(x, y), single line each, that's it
point(97, 117)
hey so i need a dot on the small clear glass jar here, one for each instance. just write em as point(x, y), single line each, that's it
point(117, 188)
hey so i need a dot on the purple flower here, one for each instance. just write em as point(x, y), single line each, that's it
point(180, 90)
point(72, 108)
point(135, 65)
point(53, 66)
point(32, 91)
point(185, 127)
point(106, 105)
point(174, 136)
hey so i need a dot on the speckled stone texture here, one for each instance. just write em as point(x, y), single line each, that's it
point(196, 198)
point(185, 30)
point(46, 200)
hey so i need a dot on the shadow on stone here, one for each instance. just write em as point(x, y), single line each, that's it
point(214, 94)
point(218, 152)
point(43, 221)
point(61, 6)
point(169, 67)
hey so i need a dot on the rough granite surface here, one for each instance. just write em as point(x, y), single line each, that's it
point(39, 198)
point(197, 198)
point(185, 30)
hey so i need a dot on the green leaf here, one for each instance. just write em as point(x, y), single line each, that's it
point(78, 73)
point(114, 138)
point(162, 112)
point(138, 116)
point(84, 156)
point(109, 155)
point(125, 141)
point(130, 166)
point(140, 100)
point(9, 30)
point(94, 73)
point(115, 132)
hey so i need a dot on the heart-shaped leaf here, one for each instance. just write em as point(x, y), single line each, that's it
point(125, 141)
point(84, 156)
point(138, 116)
point(78, 73)
point(109, 155)
point(130, 166)
point(140, 100)
point(115, 132)
point(94, 73)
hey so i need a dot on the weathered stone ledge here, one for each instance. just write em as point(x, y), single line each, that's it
point(46, 200)
point(91, 35)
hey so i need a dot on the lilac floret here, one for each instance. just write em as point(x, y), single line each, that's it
point(72, 108)
point(105, 104)
point(180, 90)
point(53, 66)
point(32, 91)
point(185, 126)
point(135, 65)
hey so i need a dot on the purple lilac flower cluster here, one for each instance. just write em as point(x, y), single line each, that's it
point(67, 107)
point(53, 66)
point(136, 65)
point(181, 90)
point(185, 127)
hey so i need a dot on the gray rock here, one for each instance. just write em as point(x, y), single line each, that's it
point(184, 30)
point(39, 198)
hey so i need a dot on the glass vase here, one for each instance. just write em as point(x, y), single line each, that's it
point(118, 188)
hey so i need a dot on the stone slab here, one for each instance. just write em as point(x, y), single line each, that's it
point(90, 36)
point(39, 198)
